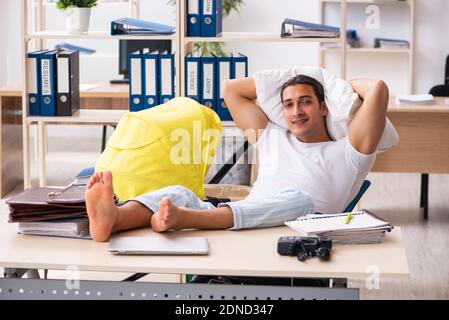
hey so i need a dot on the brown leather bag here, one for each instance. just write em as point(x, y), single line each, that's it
point(41, 204)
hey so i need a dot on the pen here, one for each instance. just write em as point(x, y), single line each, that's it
point(348, 218)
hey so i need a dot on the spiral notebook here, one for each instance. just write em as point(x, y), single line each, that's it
point(318, 224)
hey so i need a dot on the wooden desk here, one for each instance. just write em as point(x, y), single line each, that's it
point(244, 253)
point(423, 139)
point(105, 96)
point(11, 172)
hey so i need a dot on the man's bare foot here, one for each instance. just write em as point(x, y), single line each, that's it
point(169, 217)
point(100, 205)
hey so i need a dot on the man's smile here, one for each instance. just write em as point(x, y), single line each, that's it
point(300, 121)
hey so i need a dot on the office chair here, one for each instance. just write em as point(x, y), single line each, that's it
point(104, 135)
point(441, 90)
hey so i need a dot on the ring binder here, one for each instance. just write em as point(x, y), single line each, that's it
point(136, 26)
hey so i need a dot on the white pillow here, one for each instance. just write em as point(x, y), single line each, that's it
point(341, 100)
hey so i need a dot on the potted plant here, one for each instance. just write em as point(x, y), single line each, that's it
point(77, 14)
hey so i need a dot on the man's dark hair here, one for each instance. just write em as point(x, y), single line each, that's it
point(302, 79)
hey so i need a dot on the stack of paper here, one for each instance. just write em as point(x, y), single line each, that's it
point(71, 228)
point(364, 227)
point(415, 99)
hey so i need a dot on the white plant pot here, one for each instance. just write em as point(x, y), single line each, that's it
point(77, 19)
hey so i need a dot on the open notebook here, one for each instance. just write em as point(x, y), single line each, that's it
point(364, 226)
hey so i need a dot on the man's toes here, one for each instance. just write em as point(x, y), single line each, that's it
point(165, 201)
point(107, 177)
point(96, 177)
point(90, 183)
point(100, 177)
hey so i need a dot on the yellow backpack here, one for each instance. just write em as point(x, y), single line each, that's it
point(171, 144)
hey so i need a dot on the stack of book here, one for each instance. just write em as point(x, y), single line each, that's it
point(364, 227)
point(68, 228)
point(51, 211)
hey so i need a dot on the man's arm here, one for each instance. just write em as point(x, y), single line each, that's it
point(239, 95)
point(367, 125)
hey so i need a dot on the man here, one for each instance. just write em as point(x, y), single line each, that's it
point(307, 172)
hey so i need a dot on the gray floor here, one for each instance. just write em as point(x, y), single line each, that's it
point(394, 197)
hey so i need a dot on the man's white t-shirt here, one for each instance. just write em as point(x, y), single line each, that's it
point(331, 172)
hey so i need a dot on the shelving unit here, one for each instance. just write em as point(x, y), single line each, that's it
point(186, 43)
point(84, 117)
point(380, 53)
point(183, 44)
point(95, 35)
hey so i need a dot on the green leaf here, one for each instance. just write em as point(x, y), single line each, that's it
point(229, 5)
point(64, 4)
point(209, 48)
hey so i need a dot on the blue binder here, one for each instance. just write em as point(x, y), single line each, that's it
point(137, 26)
point(239, 66)
point(72, 47)
point(48, 83)
point(289, 25)
point(224, 72)
point(150, 79)
point(193, 8)
point(209, 82)
point(135, 81)
point(211, 18)
point(192, 79)
point(166, 77)
point(34, 83)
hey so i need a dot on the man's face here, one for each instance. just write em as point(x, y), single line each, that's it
point(303, 113)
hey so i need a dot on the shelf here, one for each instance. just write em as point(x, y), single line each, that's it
point(256, 37)
point(96, 116)
point(84, 116)
point(93, 35)
point(368, 50)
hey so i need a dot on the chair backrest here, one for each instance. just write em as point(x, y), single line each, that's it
point(442, 90)
point(446, 73)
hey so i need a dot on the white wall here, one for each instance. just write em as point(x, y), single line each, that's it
point(265, 15)
point(431, 47)
point(10, 39)
point(432, 43)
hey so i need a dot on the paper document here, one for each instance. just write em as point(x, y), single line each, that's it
point(415, 99)
point(322, 223)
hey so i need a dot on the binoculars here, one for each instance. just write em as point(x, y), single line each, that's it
point(305, 247)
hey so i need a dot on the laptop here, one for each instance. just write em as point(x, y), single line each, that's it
point(159, 246)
